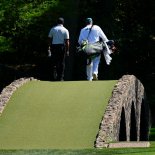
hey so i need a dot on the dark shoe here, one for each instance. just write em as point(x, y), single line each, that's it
point(95, 77)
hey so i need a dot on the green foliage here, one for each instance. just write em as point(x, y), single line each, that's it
point(33, 10)
point(25, 24)
point(5, 44)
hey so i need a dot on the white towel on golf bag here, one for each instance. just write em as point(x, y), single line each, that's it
point(107, 53)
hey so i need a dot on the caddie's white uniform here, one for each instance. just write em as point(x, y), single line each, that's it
point(94, 36)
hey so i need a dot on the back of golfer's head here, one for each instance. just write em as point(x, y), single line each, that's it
point(60, 20)
point(89, 21)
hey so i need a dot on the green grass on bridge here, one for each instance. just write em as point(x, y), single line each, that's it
point(54, 115)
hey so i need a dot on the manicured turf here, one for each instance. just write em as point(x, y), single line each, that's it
point(104, 151)
point(152, 133)
point(59, 115)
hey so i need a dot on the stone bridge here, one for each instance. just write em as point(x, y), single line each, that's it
point(127, 116)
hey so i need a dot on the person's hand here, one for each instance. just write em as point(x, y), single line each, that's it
point(113, 49)
point(49, 51)
point(67, 53)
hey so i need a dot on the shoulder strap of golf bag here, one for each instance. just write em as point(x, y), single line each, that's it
point(89, 32)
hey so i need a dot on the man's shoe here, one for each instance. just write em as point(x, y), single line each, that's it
point(95, 77)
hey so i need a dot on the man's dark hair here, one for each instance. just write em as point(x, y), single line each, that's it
point(89, 21)
point(60, 20)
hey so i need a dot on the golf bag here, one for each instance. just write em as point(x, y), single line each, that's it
point(92, 50)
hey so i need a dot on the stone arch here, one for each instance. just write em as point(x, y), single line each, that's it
point(144, 122)
point(133, 125)
point(122, 130)
point(128, 102)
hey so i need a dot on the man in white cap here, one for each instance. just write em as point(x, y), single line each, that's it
point(92, 33)
point(59, 46)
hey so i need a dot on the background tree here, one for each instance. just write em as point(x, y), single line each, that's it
point(26, 23)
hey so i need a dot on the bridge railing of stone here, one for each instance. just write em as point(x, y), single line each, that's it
point(7, 92)
point(127, 116)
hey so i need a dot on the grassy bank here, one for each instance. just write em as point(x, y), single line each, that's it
point(126, 151)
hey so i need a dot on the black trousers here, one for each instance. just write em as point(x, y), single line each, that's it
point(58, 61)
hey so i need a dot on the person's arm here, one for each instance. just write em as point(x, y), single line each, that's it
point(49, 42)
point(67, 43)
point(50, 34)
point(49, 46)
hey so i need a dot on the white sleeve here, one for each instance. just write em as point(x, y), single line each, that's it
point(67, 34)
point(50, 35)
